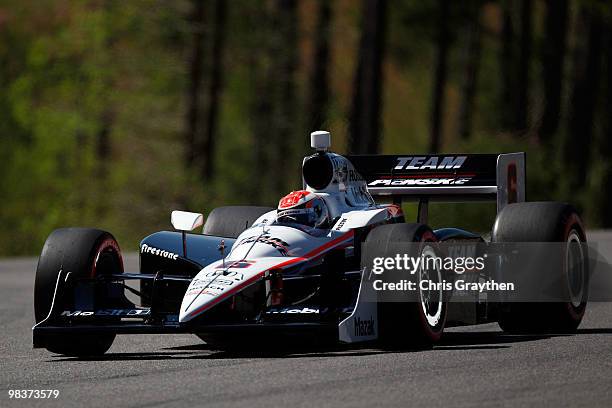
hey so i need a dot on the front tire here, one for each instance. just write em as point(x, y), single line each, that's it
point(408, 323)
point(86, 253)
point(231, 221)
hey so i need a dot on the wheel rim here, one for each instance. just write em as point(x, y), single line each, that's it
point(574, 261)
point(431, 299)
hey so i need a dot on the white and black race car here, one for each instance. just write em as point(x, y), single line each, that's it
point(300, 270)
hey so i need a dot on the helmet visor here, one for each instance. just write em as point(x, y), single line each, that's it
point(303, 216)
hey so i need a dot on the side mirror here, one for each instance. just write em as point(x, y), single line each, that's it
point(186, 221)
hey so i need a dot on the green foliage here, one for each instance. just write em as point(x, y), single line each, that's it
point(93, 106)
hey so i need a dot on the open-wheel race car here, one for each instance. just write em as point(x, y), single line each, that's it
point(299, 270)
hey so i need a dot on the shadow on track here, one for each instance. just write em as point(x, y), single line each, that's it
point(594, 331)
point(206, 352)
point(484, 340)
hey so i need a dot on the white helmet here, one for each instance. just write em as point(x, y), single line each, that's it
point(303, 207)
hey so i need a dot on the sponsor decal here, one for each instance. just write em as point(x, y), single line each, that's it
point(68, 313)
point(433, 181)
point(281, 246)
point(350, 180)
point(228, 264)
point(146, 249)
point(340, 224)
point(293, 310)
point(107, 312)
point(343, 172)
point(354, 176)
point(210, 275)
point(511, 184)
point(429, 162)
point(214, 282)
point(239, 264)
point(211, 290)
point(340, 170)
point(360, 193)
point(394, 211)
point(363, 327)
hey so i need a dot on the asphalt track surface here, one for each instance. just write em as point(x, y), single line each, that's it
point(475, 366)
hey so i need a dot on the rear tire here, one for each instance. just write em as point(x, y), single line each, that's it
point(86, 253)
point(408, 324)
point(543, 222)
point(230, 221)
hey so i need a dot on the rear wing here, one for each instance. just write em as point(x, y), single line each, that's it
point(452, 177)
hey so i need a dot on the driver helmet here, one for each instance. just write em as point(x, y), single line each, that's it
point(303, 207)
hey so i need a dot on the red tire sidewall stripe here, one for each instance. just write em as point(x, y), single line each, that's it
point(108, 244)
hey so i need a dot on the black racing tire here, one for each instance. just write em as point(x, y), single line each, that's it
point(230, 221)
point(85, 252)
point(543, 222)
point(406, 324)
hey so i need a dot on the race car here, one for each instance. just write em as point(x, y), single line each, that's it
point(302, 270)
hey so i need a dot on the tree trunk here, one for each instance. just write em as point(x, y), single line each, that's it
point(364, 126)
point(507, 61)
point(195, 67)
point(214, 90)
point(262, 79)
point(319, 77)
point(522, 83)
point(553, 58)
point(103, 142)
point(472, 65)
point(584, 95)
point(286, 103)
point(606, 139)
point(439, 85)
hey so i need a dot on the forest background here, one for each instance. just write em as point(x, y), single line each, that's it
point(113, 113)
